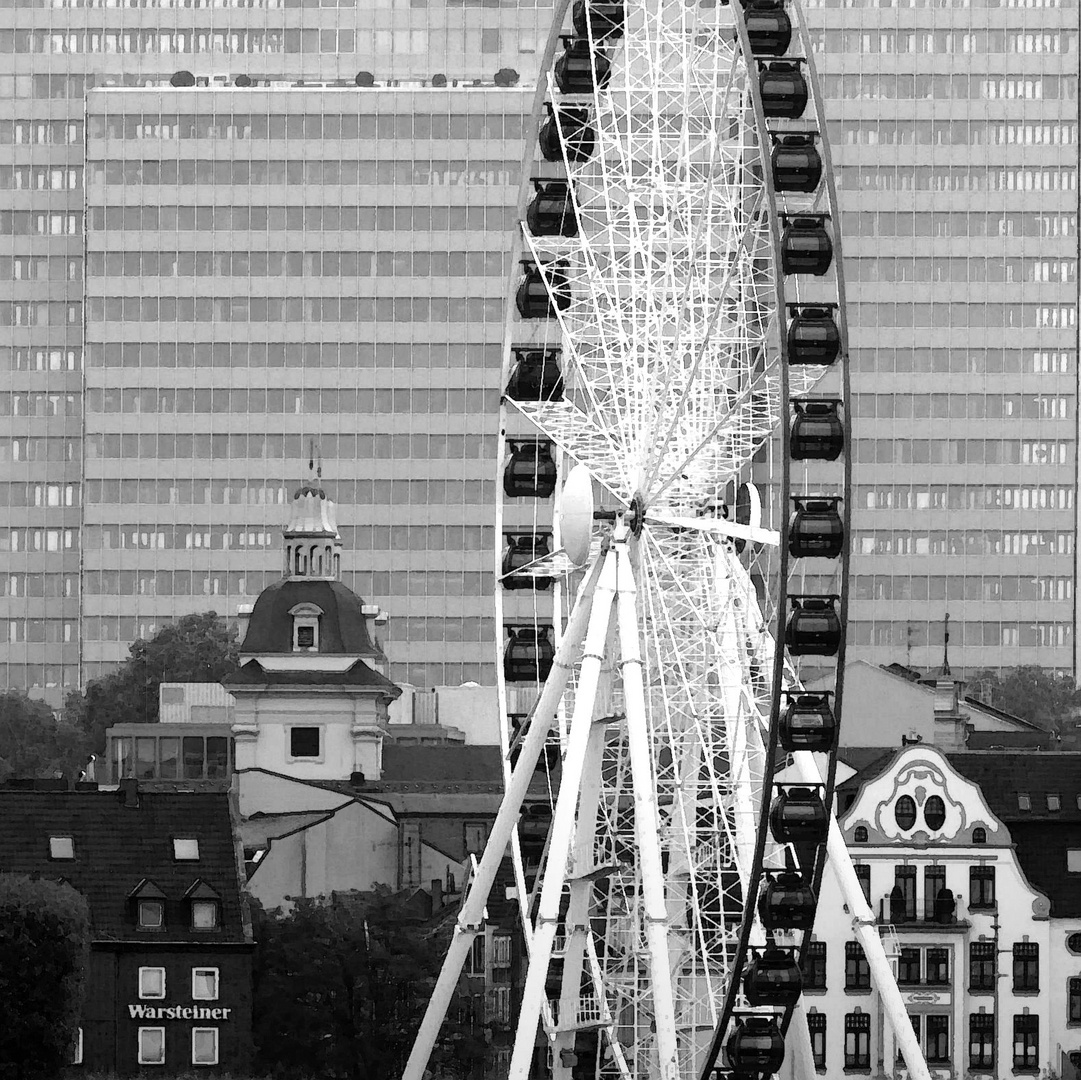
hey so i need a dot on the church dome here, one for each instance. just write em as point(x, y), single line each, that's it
point(343, 626)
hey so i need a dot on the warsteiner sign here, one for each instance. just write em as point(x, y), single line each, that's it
point(177, 1012)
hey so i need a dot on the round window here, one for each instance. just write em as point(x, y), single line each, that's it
point(1073, 943)
point(905, 812)
point(934, 813)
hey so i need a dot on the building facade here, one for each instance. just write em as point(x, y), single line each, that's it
point(169, 975)
point(971, 863)
point(954, 137)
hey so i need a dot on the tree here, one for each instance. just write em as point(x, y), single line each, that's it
point(1030, 692)
point(340, 986)
point(44, 949)
point(506, 76)
point(196, 648)
point(35, 744)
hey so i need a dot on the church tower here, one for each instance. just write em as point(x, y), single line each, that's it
point(311, 691)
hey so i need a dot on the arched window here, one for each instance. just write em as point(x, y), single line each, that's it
point(979, 835)
point(859, 836)
point(934, 813)
point(905, 812)
point(316, 561)
point(306, 627)
point(301, 562)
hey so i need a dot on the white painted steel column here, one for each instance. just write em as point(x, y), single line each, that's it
point(839, 863)
point(646, 820)
point(471, 917)
point(799, 1044)
point(564, 819)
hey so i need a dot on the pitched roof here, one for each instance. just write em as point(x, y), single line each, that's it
point(359, 674)
point(117, 848)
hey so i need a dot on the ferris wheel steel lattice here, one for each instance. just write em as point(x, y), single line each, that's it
point(674, 501)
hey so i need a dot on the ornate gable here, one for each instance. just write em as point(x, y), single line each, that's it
point(919, 798)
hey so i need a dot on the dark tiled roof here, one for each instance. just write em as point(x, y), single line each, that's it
point(1011, 740)
point(118, 847)
point(343, 629)
point(359, 674)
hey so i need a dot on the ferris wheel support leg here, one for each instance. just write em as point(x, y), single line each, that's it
point(799, 1042)
point(561, 834)
point(646, 821)
point(471, 917)
point(865, 926)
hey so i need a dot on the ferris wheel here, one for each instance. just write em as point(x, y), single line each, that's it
point(674, 486)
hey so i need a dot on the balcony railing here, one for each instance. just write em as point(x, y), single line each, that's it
point(942, 913)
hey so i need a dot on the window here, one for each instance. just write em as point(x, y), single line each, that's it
point(1073, 943)
point(151, 1046)
point(151, 982)
point(501, 951)
point(474, 963)
point(905, 813)
point(204, 1046)
point(908, 966)
point(981, 887)
point(77, 1047)
point(1026, 1039)
point(61, 847)
point(859, 836)
point(1024, 801)
point(816, 1025)
point(863, 874)
point(1073, 994)
point(186, 850)
point(981, 1041)
point(934, 813)
point(857, 1040)
point(151, 914)
point(304, 742)
point(857, 972)
point(979, 835)
point(1026, 967)
point(305, 637)
point(814, 965)
point(1073, 860)
point(938, 966)
point(915, 1020)
point(204, 914)
point(476, 833)
point(937, 1042)
point(981, 965)
point(204, 984)
point(1054, 802)
point(903, 894)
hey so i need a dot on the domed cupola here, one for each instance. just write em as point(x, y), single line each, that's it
point(313, 546)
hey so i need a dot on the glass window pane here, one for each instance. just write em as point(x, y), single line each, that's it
point(169, 750)
point(144, 758)
point(193, 757)
point(217, 757)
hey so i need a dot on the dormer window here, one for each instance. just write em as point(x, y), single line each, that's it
point(306, 627)
point(205, 906)
point(148, 902)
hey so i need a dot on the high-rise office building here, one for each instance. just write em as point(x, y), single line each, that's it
point(270, 271)
point(954, 134)
point(54, 51)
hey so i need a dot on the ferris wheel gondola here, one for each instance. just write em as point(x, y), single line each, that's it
point(674, 500)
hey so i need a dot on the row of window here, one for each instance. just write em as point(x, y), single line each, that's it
point(906, 634)
point(40, 404)
point(964, 497)
point(933, 1034)
point(272, 309)
point(316, 402)
point(966, 269)
point(41, 178)
point(944, 41)
point(957, 406)
point(299, 264)
point(950, 5)
point(955, 587)
point(949, 178)
point(268, 42)
point(962, 542)
point(14, 493)
point(425, 171)
point(960, 315)
point(50, 585)
point(39, 539)
point(40, 268)
point(28, 359)
point(151, 1045)
point(953, 133)
point(957, 223)
point(362, 447)
point(893, 451)
point(985, 86)
point(164, 757)
point(335, 219)
point(40, 313)
point(229, 125)
point(406, 355)
point(205, 983)
point(967, 361)
point(40, 223)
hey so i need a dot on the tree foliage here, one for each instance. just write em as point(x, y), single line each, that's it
point(195, 648)
point(340, 987)
point(34, 743)
point(1032, 693)
point(44, 950)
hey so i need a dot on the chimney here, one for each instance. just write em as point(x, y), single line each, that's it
point(437, 895)
point(357, 779)
point(128, 791)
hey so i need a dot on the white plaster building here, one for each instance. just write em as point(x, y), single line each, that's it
point(972, 863)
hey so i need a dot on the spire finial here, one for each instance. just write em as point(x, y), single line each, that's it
point(946, 646)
